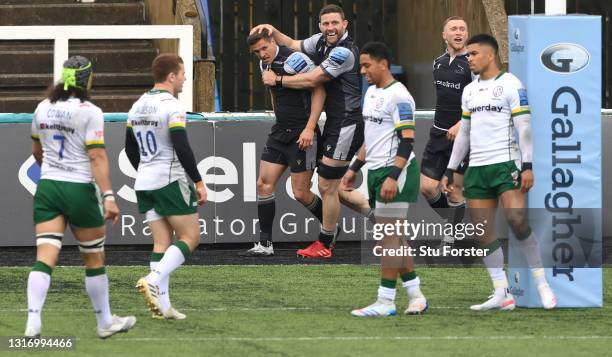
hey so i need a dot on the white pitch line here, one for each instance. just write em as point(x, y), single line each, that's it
point(354, 338)
point(224, 309)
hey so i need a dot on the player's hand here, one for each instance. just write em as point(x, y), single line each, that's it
point(259, 28)
point(201, 193)
point(269, 78)
point(526, 181)
point(446, 183)
point(348, 180)
point(111, 211)
point(388, 191)
point(305, 139)
point(452, 132)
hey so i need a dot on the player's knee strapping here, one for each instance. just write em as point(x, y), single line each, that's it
point(93, 246)
point(55, 239)
point(331, 172)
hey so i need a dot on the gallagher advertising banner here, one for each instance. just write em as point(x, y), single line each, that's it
point(558, 59)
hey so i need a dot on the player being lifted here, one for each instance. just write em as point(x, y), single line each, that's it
point(393, 173)
point(293, 140)
point(338, 69)
point(156, 144)
point(68, 143)
point(451, 74)
point(494, 107)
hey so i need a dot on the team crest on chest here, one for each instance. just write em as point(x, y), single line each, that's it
point(497, 91)
point(380, 102)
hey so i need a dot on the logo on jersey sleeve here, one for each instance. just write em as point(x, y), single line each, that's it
point(295, 64)
point(405, 111)
point(339, 55)
point(523, 97)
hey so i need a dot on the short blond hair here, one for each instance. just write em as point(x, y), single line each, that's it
point(451, 19)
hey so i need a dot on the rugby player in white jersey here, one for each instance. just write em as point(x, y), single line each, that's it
point(393, 174)
point(68, 143)
point(157, 146)
point(494, 110)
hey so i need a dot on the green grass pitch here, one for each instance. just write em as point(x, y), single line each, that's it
point(299, 310)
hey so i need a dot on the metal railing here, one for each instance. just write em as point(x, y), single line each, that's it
point(61, 35)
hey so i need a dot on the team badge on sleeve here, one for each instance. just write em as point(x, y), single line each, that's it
point(339, 55)
point(523, 97)
point(405, 111)
point(296, 63)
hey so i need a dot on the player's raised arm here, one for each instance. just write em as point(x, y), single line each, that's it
point(278, 36)
point(339, 61)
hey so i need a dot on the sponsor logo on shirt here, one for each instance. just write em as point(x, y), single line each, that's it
point(448, 84)
point(487, 108)
point(60, 127)
point(373, 119)
point(144, 122)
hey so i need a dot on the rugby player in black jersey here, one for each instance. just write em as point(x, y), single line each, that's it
point(451, 73)
point(337, 58)
point(293, 139)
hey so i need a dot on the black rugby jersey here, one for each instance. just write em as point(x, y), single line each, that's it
point(291, 106)
point(341, 63)
point(449, 79)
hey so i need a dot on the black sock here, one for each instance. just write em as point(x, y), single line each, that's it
point(266, 209)
point(458, 211)
point(316, 207)
point(326, 237)
point(440, 205)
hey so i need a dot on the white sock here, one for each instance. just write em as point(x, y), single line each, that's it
point(386, 295)
point(531, 251)
point(97, 289)
point(494, 262)
point(164, 289)
point(413, 288)
point(173, 258)
point(38, 285)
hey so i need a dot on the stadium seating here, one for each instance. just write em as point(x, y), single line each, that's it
point(121, 67)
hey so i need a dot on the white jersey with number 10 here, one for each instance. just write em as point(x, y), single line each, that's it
point(152, 118)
